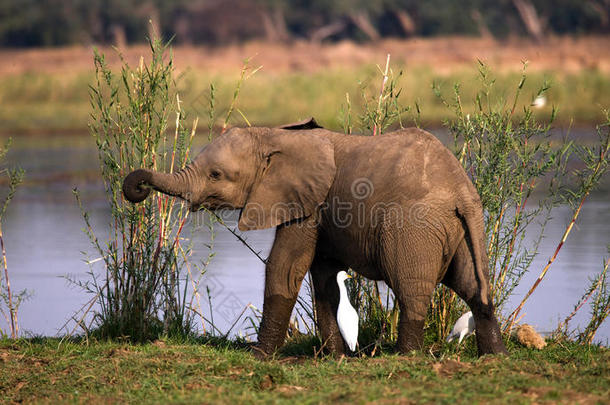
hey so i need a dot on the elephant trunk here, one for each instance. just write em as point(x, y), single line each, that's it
point(137, 184)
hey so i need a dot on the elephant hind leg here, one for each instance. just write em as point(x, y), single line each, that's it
point(326, 293)
point(412, 276)
point(460, 277)
point(411, 325)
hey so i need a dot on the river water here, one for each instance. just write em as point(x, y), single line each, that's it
point(45, 243)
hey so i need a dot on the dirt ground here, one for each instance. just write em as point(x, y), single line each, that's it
point(443, 54)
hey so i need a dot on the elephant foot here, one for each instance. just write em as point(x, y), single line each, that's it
point(335, 350)
point(410, 336)
point(491, 346)
point(489, 338)
point(259, 353)
point(272, 331)
point(331, 352)
point(333, 345)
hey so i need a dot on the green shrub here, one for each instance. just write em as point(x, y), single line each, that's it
point(142, 291)
point(11, 300)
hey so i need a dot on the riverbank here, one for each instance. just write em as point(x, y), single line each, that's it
point(46, 91)
point(47, 370)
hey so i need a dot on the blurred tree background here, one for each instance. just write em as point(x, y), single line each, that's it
point(39, 23)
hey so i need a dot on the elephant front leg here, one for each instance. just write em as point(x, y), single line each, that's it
point(290, 258)
point(277, 309)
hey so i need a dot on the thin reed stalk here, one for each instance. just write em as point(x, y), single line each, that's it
point(11, 301)
point(11, 318)
point(381, 91)
point(600, 304)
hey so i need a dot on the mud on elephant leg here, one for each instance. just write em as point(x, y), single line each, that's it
point(414, 300)
point(272, 332)
point(326, 291)
point(410, 335)
point(290, 258)
point(489, 339)
point(411, 272)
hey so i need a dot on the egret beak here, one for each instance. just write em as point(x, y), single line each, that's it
point(348, 276)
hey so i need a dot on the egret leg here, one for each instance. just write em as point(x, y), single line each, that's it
point(462, 335)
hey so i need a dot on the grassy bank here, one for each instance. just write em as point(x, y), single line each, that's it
point(50, 372)
point(42, 102)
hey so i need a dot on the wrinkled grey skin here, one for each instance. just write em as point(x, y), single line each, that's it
point(396, 207)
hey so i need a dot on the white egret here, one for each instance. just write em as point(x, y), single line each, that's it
point(539, 101)
point(462, 328)
point(347, 317)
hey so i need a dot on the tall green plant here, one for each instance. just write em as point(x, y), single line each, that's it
point(510, 156)
point(142, 291)
point(595, 161)
point(379, 111)
point(14, 177)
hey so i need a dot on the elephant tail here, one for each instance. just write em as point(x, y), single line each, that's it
point(472, 215)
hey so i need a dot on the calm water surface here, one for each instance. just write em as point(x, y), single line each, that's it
point(45, 243)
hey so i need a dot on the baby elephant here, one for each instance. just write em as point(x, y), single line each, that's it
point(396, 207)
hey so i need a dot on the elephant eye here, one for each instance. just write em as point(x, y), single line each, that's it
point(214, 175)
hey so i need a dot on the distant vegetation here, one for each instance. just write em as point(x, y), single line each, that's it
point(25, 23)
point(41, 103)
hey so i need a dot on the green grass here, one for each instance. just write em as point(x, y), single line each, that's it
point(43, 102)
point(45, 370)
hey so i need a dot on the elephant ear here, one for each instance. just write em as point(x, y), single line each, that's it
point(298, 170)
point(309, 123)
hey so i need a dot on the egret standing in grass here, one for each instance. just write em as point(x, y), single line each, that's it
point(347, 317)
point(462, 328)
